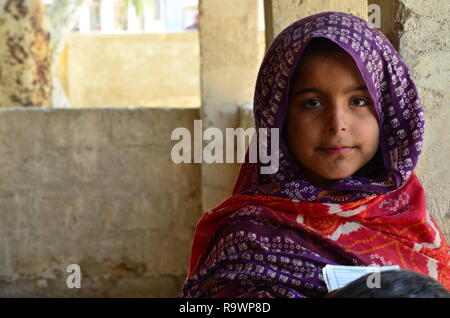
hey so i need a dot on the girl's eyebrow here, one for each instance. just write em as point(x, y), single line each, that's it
point(318, 90)
point(356, 89)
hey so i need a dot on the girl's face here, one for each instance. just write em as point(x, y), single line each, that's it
point(330, 107)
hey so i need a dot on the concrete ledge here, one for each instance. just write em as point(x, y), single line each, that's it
point(97, 188)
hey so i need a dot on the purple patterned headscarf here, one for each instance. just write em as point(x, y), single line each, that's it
point(396, 101)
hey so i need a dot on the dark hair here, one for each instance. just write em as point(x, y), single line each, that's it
point(315, 47)
point(394, 284)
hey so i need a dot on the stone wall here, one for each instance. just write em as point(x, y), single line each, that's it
point(97, 188)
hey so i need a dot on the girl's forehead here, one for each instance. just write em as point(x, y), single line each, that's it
point(328, 70)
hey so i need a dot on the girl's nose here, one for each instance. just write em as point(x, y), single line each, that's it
point(337, 121)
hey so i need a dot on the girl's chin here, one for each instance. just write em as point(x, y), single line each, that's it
point(328, 179)
point(321, 175)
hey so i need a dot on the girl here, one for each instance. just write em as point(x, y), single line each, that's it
point(345, 193)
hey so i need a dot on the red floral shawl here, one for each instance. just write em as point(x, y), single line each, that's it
point(391, 229)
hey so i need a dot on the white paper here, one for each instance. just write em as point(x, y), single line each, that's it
point(337, 276)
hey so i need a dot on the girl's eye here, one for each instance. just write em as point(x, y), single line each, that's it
point(312, 103)
point(358, 101)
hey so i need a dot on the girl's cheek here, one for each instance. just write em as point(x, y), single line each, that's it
point(299, 127)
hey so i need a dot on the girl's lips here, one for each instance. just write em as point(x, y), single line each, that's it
point(336, 151)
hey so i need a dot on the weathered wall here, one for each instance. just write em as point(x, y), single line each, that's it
point(95, 187)
point(231, 52)
point(25, 55)
point(423, 32)
point(281, 13)
point(132, 69)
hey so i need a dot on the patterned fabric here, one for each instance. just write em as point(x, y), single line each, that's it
point(266, 246)
point(274, 234)
point(395, 99)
